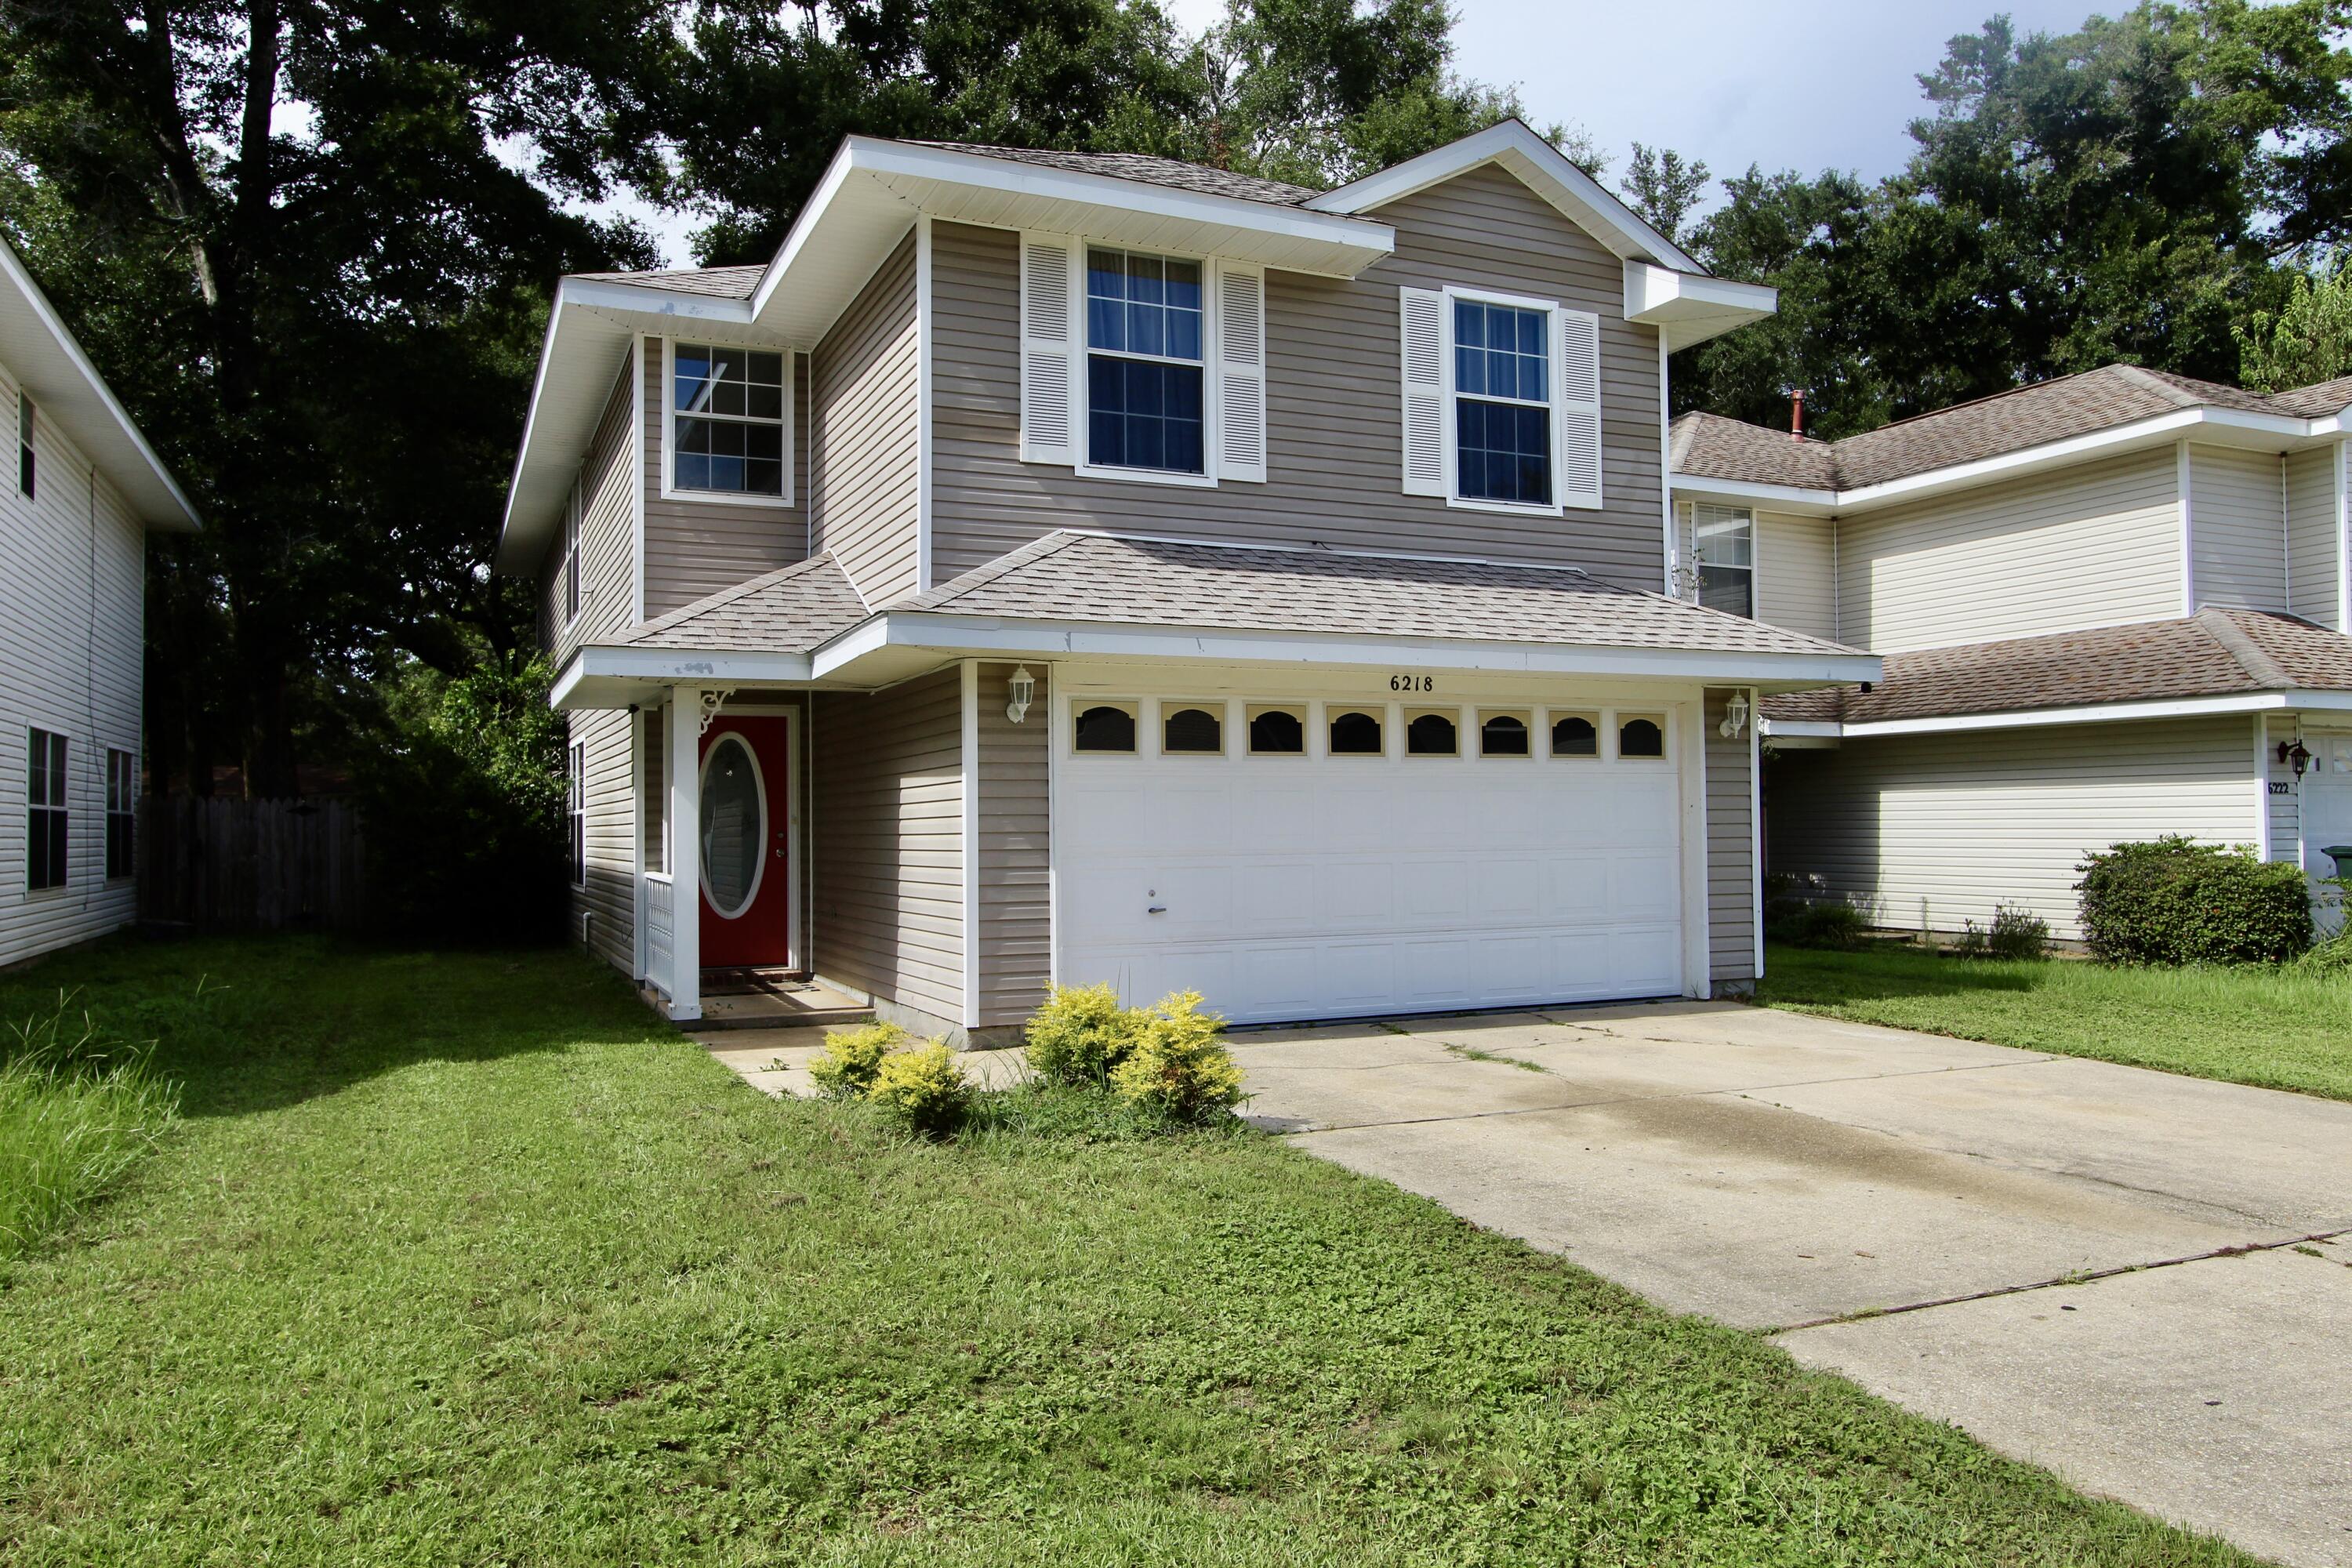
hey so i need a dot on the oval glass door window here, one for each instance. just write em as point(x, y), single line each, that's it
point(734, 826)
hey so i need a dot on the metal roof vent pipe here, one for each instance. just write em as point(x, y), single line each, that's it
point(1796, 414)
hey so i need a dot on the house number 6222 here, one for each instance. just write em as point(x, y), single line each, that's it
point(1413, 683)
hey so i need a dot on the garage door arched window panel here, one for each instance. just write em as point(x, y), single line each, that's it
point(1576, 734)
point(1641, 737)
point(1192, 729)
point(1277, 732)
point(1432, 734)
point(1103, 728)
point(1503, 735)
point(1357, 733)
point(734, 811)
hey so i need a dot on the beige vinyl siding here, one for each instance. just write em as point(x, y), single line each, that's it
point(1730, 854)
point(695, 548)
point(2238, 527)
point(2097, 544)
point(2315, 538)
point(864, 438)
point(1927, 831)
point(887, 837)
point(610, 896)
point(1334, 457)
point(1796, 573)
point(1016, 929)
point(72, 625)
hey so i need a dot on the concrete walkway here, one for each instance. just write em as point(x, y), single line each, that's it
point(2139, 1281)
point(2143, 1283)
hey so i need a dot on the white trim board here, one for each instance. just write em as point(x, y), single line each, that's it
point(2100, 713)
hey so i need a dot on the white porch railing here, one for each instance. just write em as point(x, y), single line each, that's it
point(660, 924)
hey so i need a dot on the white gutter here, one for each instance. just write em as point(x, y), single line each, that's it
point(2094, 714)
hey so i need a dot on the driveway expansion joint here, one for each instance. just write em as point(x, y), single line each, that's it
point(2084, 1277)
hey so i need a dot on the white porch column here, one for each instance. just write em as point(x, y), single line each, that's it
point(685, 738)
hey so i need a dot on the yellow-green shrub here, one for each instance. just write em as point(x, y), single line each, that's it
point(923, 1087)
point(1179, 1066)
point(845, 1068)
point(1081, 1034)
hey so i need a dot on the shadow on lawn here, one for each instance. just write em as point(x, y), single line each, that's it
point(1883, 972)
point(254, 1024)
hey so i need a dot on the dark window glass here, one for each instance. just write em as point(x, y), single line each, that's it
point(1574, 737)
point(1141, 413)
point(1499, 352)
point(1502, 736)
point(1277, 732)
point(1355, 735)
point(1728, 588)
point(1430, 735)
point(1502, 409)
point(24, 443)
point(1502, 451)
point(728, 405)
point(1106, 729)
point(1192, 729)
point(121, 793)
point(734, 827)
point(44, 810)
point(1641, 738)
point(576, 790)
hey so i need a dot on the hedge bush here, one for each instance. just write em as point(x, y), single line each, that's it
point(2015, 932)
point(1081, 1034)
point(847, 1068)
point(923, 1089)
point(2175, 900)
point(1179, 1069)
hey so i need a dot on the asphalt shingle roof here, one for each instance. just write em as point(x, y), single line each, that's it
point(1148, 170)
point(788, 610)
point(718, 282)
point(1115, 580)
point(1708, 445)
point(2214, 653)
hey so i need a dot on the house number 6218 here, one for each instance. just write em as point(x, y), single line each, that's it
point(1413, 683)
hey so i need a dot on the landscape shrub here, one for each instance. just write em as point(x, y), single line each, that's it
point(1830, 923)
point(844, 1069)
point(2333, 956)
point(76, 1110)
point(2175, 900)
point(1081, 1034)
point(1179, 1069)
point(2015, 933)
point(923, 1089)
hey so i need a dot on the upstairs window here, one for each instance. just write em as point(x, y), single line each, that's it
point(44, 810)
point(576, 809)
point(1146, 378)
point(726, 420)
point(24, 445)
point(1723, 538)
point(121, 800)
point(1502, 401)
point(1502, 404)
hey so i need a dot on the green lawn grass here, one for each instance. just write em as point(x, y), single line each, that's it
point(2280, 1028)
point(77, 1111)
point(465, 1260)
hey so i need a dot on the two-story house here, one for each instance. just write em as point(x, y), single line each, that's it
point(75, 505)
point(2111, 606)
point(1055, 568)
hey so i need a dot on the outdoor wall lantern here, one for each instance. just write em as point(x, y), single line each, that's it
point(2296, 754)
point(1020, 688)
point(1734, 718)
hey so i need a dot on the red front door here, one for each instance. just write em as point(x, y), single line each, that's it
point(745, 841)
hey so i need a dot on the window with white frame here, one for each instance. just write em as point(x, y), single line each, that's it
point(121, 800)
point(576, 810)
point(44, 810)
point(572, 558)
point(727, 414)
point(24, 445)
point(1147, 380)
point(1502, 401)
point(1723, 541)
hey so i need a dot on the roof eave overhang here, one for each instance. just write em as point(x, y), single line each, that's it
point(66, 390)
point(1689, 308)
point(2221, 426)
point(2224, 704)
point(605, 676)
point(896, 644)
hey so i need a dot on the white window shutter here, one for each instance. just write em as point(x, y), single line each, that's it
point(1579, 406)
point(1240, 373)
point(1049, 349)
point(1424, 315)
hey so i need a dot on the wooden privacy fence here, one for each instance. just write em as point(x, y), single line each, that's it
point(251, 865)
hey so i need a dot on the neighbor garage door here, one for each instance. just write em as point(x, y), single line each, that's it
point(1476, 858)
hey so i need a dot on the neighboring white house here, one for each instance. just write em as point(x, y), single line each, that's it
point(2111, 606)
point(77, 492)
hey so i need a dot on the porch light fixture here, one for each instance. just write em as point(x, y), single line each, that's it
point(1021, 689)
point(1734, 718)
point(2295, 754)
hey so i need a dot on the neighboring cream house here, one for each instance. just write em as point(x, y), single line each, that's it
point(1068, 567)
point(2111, 606)
point(77, 497)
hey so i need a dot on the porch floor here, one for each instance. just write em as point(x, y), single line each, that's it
point(768, 999)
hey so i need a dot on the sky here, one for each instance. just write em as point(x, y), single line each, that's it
point(1821, 85)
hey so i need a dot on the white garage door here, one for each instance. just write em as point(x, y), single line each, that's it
point(1312, 885)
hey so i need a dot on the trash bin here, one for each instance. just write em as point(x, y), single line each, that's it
point(2342, 855)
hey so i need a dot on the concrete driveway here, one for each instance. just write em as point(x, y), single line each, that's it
point(2141, 1281)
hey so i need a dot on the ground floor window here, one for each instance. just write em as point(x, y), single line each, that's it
point(44, 811)
point(121, 800)
point(576, 809)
